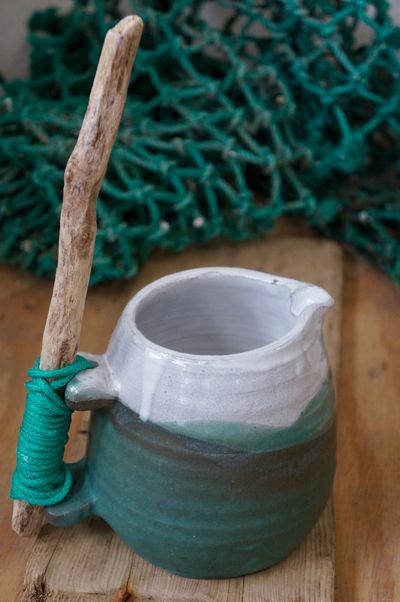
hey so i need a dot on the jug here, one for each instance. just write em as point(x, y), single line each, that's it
point(212, 440)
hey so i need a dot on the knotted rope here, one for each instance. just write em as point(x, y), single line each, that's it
point(227, 99)
point(41, 476)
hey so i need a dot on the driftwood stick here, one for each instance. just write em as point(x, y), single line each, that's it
point(84, 174)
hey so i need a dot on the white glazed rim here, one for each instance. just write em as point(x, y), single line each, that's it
point(269, 279)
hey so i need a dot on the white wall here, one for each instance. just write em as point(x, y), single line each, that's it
point(13, 46)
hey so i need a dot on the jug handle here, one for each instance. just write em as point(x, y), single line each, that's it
point(89, 390)
point(92, 389)
point(78, 504)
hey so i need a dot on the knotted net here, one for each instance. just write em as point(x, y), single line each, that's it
point(238, 112)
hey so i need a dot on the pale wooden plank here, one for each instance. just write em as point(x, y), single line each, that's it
point(367, 492)
point(87, 559)
point(317, 261)
point(147, 582)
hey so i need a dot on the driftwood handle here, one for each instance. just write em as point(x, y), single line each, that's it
point(84, 174)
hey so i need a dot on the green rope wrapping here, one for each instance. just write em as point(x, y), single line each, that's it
point(41, 477)
point(238, 112)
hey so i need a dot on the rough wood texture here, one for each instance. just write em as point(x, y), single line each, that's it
point(89, 562)
point(83, 177)
point(367, 483)
point(368, 478)
point(84, 174)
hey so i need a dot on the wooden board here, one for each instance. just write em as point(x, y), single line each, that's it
point(88, 562)
point(367, 491)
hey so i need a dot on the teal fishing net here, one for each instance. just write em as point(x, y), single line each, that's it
point(238, 112)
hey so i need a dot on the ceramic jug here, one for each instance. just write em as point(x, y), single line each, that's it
point(212, 440)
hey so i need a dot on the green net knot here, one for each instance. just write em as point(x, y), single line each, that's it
point(41, 477)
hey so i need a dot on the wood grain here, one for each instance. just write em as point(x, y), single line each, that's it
point(367, 492)
point(89, 562)
point(368, 477)
point(84, 174)
point(83, 177)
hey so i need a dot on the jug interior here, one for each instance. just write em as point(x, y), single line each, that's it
point(216, 314)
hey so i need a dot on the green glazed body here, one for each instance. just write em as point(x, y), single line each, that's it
point(196, 508)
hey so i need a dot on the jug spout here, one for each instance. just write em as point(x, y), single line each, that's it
point(311, 301)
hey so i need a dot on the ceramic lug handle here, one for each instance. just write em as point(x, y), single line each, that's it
point(92, 389)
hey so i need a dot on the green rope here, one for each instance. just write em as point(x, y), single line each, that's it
point(41, 477)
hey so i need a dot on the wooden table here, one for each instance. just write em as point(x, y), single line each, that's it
point(367, 486)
